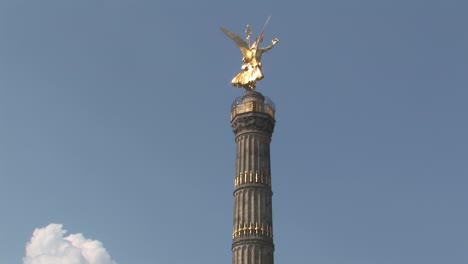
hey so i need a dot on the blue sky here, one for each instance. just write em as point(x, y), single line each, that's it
point(114, 120)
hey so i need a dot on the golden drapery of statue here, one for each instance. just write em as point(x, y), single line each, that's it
point(252, 58)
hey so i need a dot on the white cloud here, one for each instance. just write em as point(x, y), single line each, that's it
point(49, 246)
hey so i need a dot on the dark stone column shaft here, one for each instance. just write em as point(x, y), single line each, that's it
point(253, 222)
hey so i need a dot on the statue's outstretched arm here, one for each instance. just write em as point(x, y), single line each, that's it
point(269, 47)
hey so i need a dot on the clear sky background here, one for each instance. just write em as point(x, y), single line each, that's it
point(114, 121)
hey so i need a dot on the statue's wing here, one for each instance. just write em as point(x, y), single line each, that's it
point(238, 40)
point(260, 37)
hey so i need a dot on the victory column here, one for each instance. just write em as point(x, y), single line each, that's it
point(252, 121)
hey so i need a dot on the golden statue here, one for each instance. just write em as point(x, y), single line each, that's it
point(252, 60)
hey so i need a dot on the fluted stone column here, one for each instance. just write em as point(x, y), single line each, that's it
point(252, 121)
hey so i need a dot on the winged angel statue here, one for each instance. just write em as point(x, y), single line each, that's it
point(252, 60)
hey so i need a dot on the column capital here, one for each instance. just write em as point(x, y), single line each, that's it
point(253, 122)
